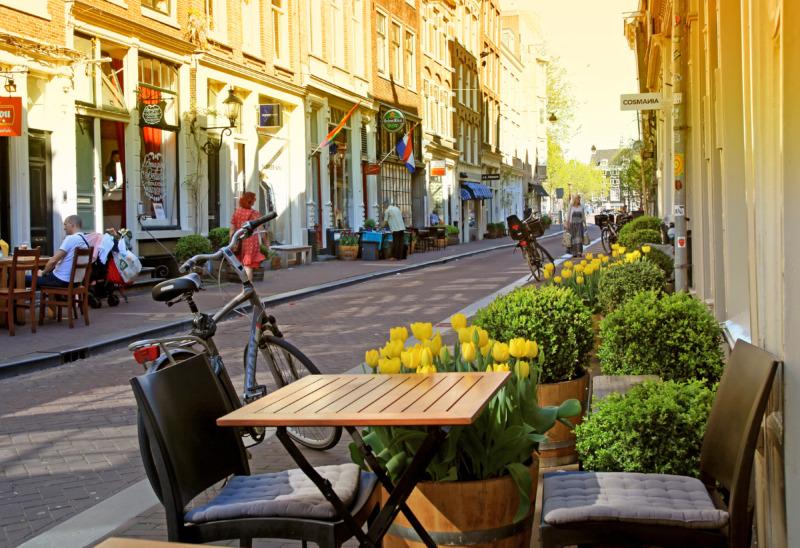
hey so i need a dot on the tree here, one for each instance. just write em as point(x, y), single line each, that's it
point(636, 178)
point(560, 102)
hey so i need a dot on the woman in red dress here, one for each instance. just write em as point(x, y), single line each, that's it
point(249, 250)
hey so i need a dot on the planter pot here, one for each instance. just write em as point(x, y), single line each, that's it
point(466, 513)
point(560, 447)
point(275, 263)
point(348, 252)
point(258, 275)
point(452, 239)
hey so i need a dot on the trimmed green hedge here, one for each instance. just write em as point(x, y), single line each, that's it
point(219, 237)
point(645, 222)
point(672, 336)
point(656, 427)
point(663, 260)
point(624, 280)
point(555, 317)
point(191, 245)
point(637, 238)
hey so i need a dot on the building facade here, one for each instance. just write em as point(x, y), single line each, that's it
point(490, 69)
point(737, 65)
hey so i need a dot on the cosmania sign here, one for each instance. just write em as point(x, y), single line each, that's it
point(640, 101)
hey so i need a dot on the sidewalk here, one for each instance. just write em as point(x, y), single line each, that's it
point(55, 343)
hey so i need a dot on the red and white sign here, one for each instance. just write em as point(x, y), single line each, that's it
point(438, 168)
point(10, 116)
point(681, 241)
point(372, 169)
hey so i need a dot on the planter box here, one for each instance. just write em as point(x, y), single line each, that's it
point(347, 252)
point(374, 237)
point(466, 513)
point(560, 447)
point(370, 251)
point(452, 239)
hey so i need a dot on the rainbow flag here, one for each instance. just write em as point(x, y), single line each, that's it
point(338, 128)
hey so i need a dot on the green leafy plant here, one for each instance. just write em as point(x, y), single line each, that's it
point(370, 224)
point(664, 261)
point(637, 238)
point(647, 222)
point(191, 245)
point(546, 221)
point(348, 239)
point(624, 279)
point(502, 439)
point(219, 237)
point(554, 316)
point(582, 278)
point(672, 336)
point(656, 427)
point(452, 230)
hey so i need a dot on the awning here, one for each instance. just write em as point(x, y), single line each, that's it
point(479, 191)
point(465, 194)
point(540, 191)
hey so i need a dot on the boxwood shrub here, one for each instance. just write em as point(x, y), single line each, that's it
point(554, 317)
point(219, 237)
point(633, 239)
point(641, 223)
point(191, 245)
point(656, 427)
point(624, 280)
point(663, 260)
point(672, 336)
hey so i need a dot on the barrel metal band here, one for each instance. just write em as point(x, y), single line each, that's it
point(444, 538)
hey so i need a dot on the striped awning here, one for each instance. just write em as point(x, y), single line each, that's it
point(540, 191)
point(465, 194)
point(479, 191)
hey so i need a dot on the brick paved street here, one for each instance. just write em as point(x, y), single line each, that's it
point(68, 436)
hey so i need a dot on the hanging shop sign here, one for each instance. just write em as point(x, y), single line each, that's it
point(393, 120)
point(10, 116)
point(269, 115)
point(640, 101)
point(372, 169)
point(490, 177)
point(152, 114)
point(438, 168)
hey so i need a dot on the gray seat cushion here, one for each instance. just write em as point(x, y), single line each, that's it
point(660, 499)
point(282, 494)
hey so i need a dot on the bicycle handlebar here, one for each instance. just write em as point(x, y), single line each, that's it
point(246, 231)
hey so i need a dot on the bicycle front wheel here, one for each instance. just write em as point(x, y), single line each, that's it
point(544, 255)
point(288, 364)
point(605, 238)
point(534, 258)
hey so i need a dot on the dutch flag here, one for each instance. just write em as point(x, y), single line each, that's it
point(405, 149)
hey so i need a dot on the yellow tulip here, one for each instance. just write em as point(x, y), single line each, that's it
point(458, 321)
point(425, 357)
point(533, 350)
point(522, 369)
point(646, 249)
point(557, 279)
point(483, 337)
point(398, 334)
point(371, 358)
point(518, 347)
point(468, 352)
point(580, 268)
point(547, 274)
point(500, 352)
point(485, 349)
point(614, 254)
point(566, 274)
point(567, 264)
point(465, 334)
point(579, 280)
point(422, 330)
point(389, 366)
point(426, 370)
point(622, 250)
point(605, 258)
point(590, 256)
point(588, 271)
point(411, 358)
point(392, 349)
point(500, 367)
point(435, 344)
point(443, 353)
point(614, 246)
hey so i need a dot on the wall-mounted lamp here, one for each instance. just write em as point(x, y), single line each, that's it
point(10, 86)
point(594, 149)
point(552, 118)
point(232, 106)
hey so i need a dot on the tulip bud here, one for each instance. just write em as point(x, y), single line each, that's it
point(468, 352)
point(458, 321)
point(500, 352)
point(371, 357)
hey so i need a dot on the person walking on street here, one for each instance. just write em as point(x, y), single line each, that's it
point(576, 225)
point(249, 252)
point(394, 219)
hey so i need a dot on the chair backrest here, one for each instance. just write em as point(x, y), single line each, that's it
point(180, 406)
point(729, 444)
point(81, 266)
point(24, 260)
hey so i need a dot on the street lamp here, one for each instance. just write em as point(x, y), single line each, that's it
point(594, 149)
point(232, 107)
point(552, 118)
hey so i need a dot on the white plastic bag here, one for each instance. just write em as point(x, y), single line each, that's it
point(128, 265)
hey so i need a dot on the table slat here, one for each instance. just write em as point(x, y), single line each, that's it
point(323, 398)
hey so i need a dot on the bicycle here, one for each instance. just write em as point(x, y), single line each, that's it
point(285, 362)
point(609, 229)
point(525, 234)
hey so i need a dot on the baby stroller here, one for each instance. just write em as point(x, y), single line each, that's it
point(107, 282)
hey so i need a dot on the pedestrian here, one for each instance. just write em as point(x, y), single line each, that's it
point(434, 218)
point(248, 250)
point(394, 219)
point(576, 226)
point(58, 269)
point(526, 213)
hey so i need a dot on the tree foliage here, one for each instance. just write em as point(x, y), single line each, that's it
point(639, 187)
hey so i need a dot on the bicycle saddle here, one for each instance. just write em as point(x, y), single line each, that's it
point(170, 289)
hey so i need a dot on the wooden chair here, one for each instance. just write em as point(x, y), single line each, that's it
point(179, 406)
point(76, 294)
point(16, 295)
point(440, 238)
point(666, 510)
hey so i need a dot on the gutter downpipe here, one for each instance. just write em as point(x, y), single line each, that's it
point(679, 148)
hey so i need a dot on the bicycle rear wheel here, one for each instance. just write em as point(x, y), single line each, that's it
point(288, 364)
point(534, 258)
point(544, 254)
point(605, 238)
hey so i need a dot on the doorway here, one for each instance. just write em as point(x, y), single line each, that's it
point(5, 192)
point(213, 185)
point(85, 171)
point(41, 191)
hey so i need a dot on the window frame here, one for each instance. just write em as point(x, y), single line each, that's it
point(254, 30)
point(280, 40)
point(382, 43)
point(411, 57)
point(396, 52)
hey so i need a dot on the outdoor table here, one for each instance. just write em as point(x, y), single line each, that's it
point(436, 402)
point(5, 267)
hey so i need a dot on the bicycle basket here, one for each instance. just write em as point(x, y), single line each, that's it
point(536, 227)
point(600, 219)
point(516, 229)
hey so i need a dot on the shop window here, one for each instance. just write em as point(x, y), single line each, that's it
point(103, 71)
point(395, 186)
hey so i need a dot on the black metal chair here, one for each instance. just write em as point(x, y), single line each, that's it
point(667, 510)
point(180, 406)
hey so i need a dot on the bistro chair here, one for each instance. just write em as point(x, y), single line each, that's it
point(668, 510)
point(15, 295)
point(76, 294)
point(440, 238)
point(180, 406)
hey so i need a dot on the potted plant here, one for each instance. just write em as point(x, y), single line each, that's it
point(491, 463)
point(370, 224)
point(219, 237)
point(347, 250)
point(452, 235)
point(273, 259)
point(557, 318)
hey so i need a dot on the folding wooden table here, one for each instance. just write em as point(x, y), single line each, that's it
point(436, 402)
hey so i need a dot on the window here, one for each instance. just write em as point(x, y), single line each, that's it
point(280, 32)
point(396, 57)
point(158, 89)
point(217, 16)
point(460, 84)
point(161, 6)
point(382, 45)
point(337, 33)
point(410, 60)
point(251, 26)
point(358, 32)
point(443, 24)
point(315, 26)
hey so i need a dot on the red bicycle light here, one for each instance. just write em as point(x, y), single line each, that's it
point(514, 227)
point(146, 354)
point(523, 243)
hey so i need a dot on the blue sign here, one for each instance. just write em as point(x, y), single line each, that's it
point(269, 115)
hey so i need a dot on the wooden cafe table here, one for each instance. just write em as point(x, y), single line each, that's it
point(5, 268)
point(435, 402)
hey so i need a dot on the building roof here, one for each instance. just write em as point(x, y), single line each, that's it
point(604, 154)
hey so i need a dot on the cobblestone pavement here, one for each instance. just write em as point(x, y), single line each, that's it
point(67, 435)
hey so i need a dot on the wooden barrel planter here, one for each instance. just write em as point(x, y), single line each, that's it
point(560, 447)
point(466, 513)
point(348, 252)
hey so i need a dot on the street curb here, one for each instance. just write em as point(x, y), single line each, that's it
point(31, 363)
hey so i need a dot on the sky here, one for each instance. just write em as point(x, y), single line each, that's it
point(588, 38)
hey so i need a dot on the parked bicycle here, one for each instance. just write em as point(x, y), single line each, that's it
point(610, 227)
point(525, 234)
point(283, 360)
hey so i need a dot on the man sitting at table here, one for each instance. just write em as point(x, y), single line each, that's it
point(58, 269)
